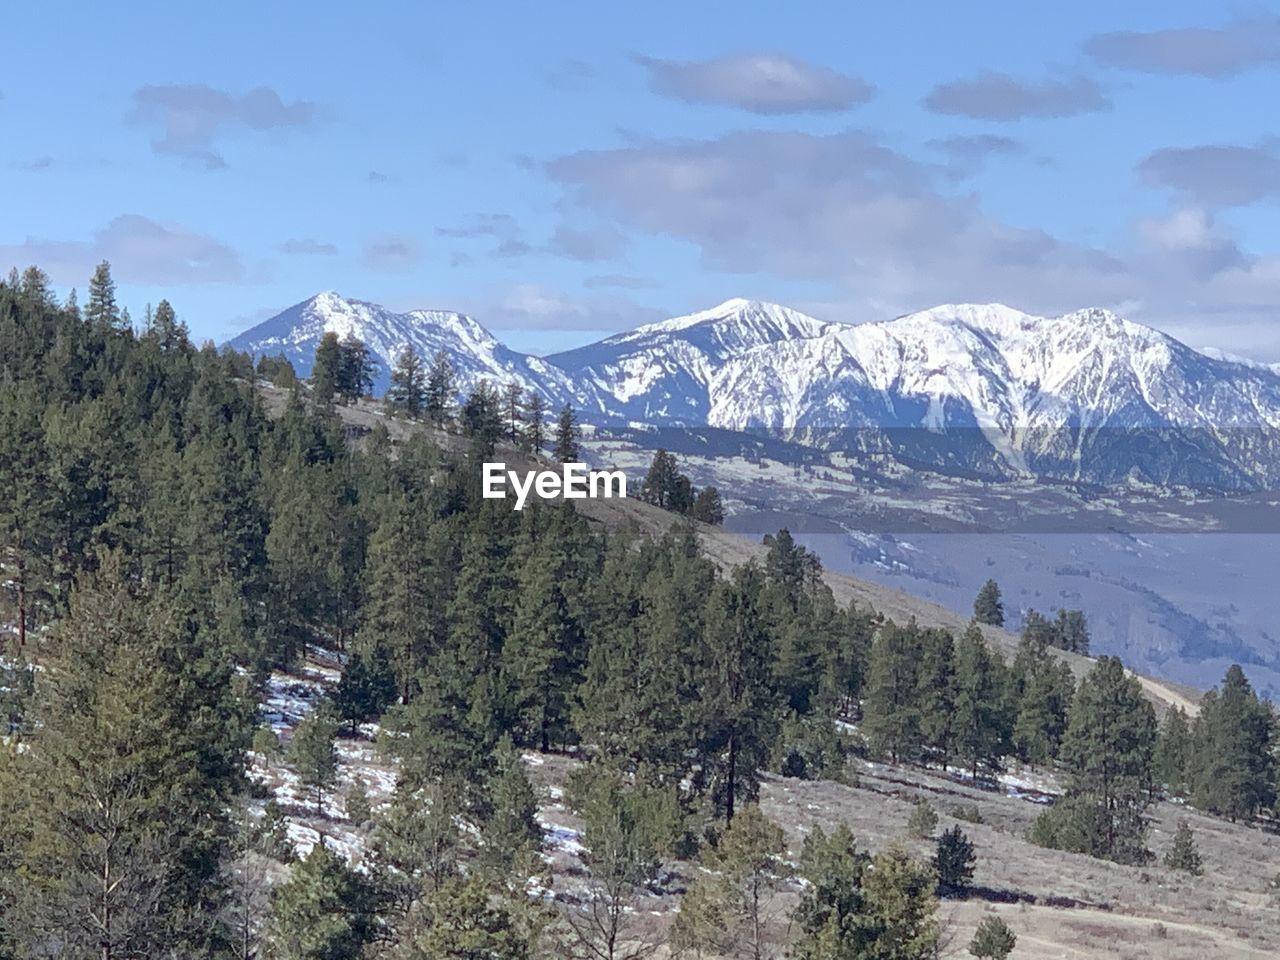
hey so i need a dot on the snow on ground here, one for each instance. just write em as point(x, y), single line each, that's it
point(287, 699)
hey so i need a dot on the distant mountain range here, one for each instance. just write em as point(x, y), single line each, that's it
point(978, 389)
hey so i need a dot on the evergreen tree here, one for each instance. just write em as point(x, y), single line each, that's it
point(567, 437)
point(512, 836)
point(660, 486)
point(1044, 685)
point(1183, 854)
point(978, 716)
point(725, 911)
point(544, 654)
point(1108, 750)
point(891, 722)
point(1232, 770)
point(831, 911)
point(365, 689)
point(901, 904)
point(513, 413)
point(993, 940)
point(167, 330)
point(442, 383)
point(935, 696)
point(416, 848)
point(355, 369)
point(469, 923)
point(312, 753)
point(1174, 752)
point(954, 860)
point(126, 780)
point(323, 911)
point(988, 608)
point(533, 438)
point(1071, 632)
point(736, 698)
point(356, 803)
point(707, 507)
point(326, 371)
point(101, 311)
point(407, 394)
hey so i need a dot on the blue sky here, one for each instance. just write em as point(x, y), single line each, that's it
point(562, 171)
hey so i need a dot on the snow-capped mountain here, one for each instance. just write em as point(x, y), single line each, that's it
point(474, 351)
point(1084, 396)
point(663, 371)
point(977, 388)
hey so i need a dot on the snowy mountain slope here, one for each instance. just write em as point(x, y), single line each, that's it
point(662, 371)
point(475, 352)
point(974, 388)
point(1083, 396)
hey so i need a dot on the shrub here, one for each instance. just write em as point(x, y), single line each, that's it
point(1183, 855)
point(969, 813)
point(993, 939)
point(923, 821)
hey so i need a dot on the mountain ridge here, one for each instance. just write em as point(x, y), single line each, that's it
point(1085, 396)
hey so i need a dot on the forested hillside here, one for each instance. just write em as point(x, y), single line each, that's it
point(171, 550)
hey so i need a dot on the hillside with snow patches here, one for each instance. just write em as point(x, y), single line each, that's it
point(1087, 396)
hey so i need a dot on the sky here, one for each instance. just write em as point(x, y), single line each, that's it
point(562, 171)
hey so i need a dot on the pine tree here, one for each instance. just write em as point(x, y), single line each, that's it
point(1183, 854)
point(543, 656)
point(1174, 752)
point(323, 911)
point(356, 803)
point(988, 608)
point(417, 846)
point(406, 396)
point(1044, 685)
point(469, 923)
point(891, 721)
point(1071, 632)
point(978, 716)
point(1108, 750)
point(993, 940)
point(627, 829)
point(326, 371)
point(126, 779)
point(954, 860)
point(312, 753)
point(1232, 769)
point(533, 437)
point(441, 386)
point(356, 369)
point(830, 914)
point(512, 837)
point(365, 689)
point(935, 695)
point(660, 486)
point(707, 507)
point(726, 909)
point(101, 312)
point(736, 698)
point(901, 906)
point(513, 413)
point(567, 437)
point(167, 330)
